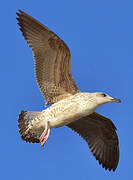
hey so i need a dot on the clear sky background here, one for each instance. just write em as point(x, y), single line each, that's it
point(100, 37)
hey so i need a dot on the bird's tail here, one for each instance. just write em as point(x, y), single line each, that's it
point(31, 125)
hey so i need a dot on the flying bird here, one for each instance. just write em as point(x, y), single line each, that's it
point(69, 106)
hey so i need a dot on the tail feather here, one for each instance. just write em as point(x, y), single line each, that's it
point(31, 126)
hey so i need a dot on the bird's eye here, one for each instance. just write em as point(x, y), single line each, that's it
point(103, 95)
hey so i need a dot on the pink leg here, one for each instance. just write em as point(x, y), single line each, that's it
point(44, 132)
point(44, 139)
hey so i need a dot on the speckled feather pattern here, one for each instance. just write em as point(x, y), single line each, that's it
point(52, 59)
point(69, 107)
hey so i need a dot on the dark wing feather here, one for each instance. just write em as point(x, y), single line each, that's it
point(100, 134)
point(52, 59)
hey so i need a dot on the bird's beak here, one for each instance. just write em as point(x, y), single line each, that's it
point(115, 100)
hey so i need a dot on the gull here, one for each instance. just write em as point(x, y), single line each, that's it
point(69, 106)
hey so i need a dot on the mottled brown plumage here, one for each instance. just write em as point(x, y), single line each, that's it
point(70, 106)
point(52, 59)
point(99, 133)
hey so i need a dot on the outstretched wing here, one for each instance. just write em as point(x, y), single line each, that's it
point(52, 59)
point(100, 134)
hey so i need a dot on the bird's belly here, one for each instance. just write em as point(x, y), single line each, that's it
point(62, 121)
point(68, 110)
point(67, 116)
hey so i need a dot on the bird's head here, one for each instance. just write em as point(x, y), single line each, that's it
point(102, 98)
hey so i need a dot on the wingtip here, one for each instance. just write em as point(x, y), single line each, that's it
point(17, 14)
point(20, 14)
point(20, 11)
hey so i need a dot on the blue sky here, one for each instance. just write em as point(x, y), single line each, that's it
point(100, 37)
